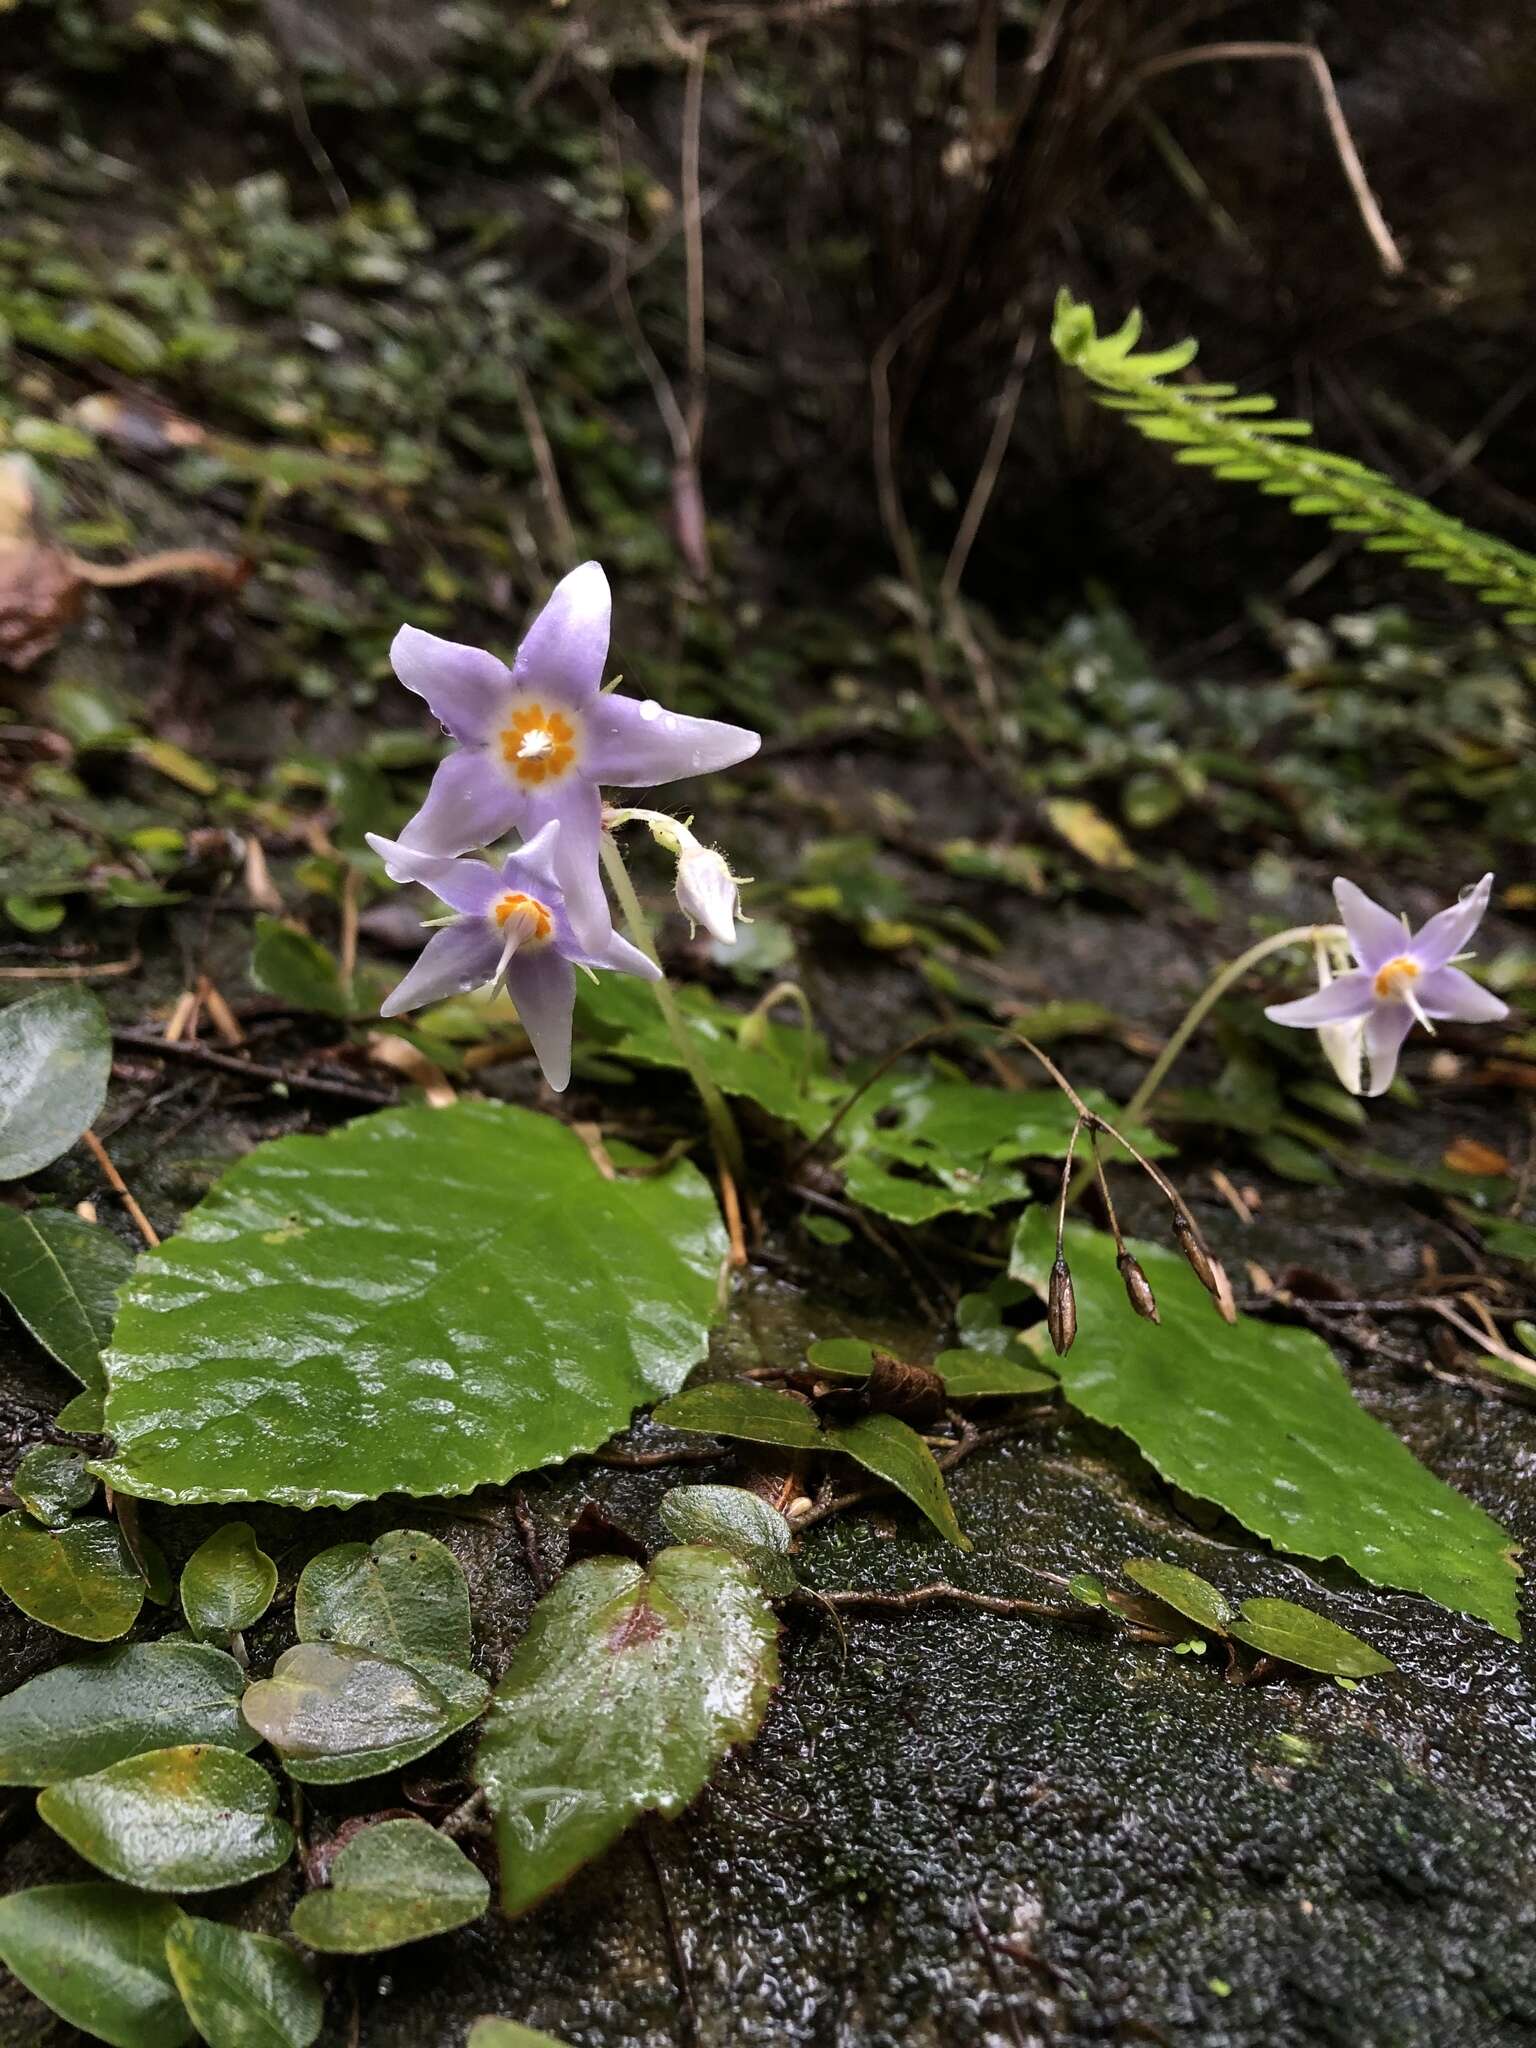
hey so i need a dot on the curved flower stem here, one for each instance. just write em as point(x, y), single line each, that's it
point(1203, 1004)
point(722, 1125)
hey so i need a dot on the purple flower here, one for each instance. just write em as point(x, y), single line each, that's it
point(511, 927)
point(1400, 976)
point(535, 741)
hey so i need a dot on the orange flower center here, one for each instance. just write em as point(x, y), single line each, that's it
point(536, 746)
point(1395, 979)
point(534, 917)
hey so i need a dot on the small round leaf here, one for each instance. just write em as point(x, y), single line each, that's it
point(80, 1579)
point(396, 1882)
point(55, 1060)
point(1185, 1592)
point(1279, 1628)
point(228, 1582)
point(52, 1483)
point(190, 1819)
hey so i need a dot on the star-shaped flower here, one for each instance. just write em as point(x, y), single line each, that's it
point(511, 926)
point(1400, 977)
point(536, 740)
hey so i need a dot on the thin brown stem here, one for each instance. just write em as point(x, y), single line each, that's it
point(926, 1596)
point(120, 1188)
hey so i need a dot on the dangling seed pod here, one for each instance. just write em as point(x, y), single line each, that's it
point(1226, 1307)
point(1200, 1261)
point(1138, 1289)
point(1061, 1308)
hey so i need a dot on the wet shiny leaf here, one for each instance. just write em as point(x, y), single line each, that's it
point(1185, 1592)
point(228, 1582)
point(422, 1302)
point(1279, 1628)
point(297, 969)
point(402, 1596)
point(80, 1579)
point(82, 1716)
point(334, 1714)
point(396, 1882)
point(628, 1688)
point(742, 1408)
point(243, 1990)
point(733, 1519)
point(61, 1276)
point(1258, 1418)
point(189, 1819)
point(55, 1057)
point(95, 1955)
point(894, 1452)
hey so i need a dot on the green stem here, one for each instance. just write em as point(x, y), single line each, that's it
point(1203, 1004)
point(722, 1125)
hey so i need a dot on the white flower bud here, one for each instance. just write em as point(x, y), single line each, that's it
point(707, 893)
point(1343, 1044)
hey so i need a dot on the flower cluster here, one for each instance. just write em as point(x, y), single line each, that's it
point(1400, 978)
point(533, 744)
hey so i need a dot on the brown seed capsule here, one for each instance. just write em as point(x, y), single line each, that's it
point(1200, 1260)
point(1138, 1290)
point(1226, 1307)
point(1061, 1308)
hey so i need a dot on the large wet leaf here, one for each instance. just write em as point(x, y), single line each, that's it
point(95, 1955)
point(228, 1582)
point(61, 1276)
point(1258, 1418)
point(334, 1714)
point(396, 1882)
point(894, 1452)
point(80, 1579)
point(82, 1716)
point(189, 1819)
point(243, 1990)
point(423, 1302)
point(55, 1058)
point(628, 1688)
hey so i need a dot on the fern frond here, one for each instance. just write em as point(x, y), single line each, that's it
point(1214, 427)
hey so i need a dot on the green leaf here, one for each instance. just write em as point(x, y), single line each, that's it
point(51, 1482)
point(1259, 1419)
point(80, 1717)
point(628, 1688)
point(55, 1058)
point(733, 1519)
point(335, 1714)
point(61, 1276)
point(894, 1452)
point(297, 969)
point(190, 1819)
point(403, 1596)
point(395, 1882)
point(763, 1415)
point(228, 1582)
point(494, 2033)
point(743, 1408)
point(243, 1990)
point(95, 1955)
point(1282, 1629)
point(1185, 1592)
point(926, 1120)
point(984, 1375)
point(423, 1302)
point(80, 1579)
point(958, 1191)
point(84, 1412)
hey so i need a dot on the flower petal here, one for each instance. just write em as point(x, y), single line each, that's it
point(564, 650)
point(577, 807)
point(1374, 934)
point(544, 989)
point(1450, 994)
point(466, 688)
point(1338, 1003)
point(1344, 1049)
point(1447, 933)
point(531, 866)
point(469, 804)
point(636, 744)
point(620, 957)
point(453, 961)
point(1385, 1029)
point(470, 886)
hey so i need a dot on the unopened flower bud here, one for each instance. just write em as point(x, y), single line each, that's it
point(707, 892)
point(1200, 1261)
point(1138, 1289)
point(1061, 1308)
